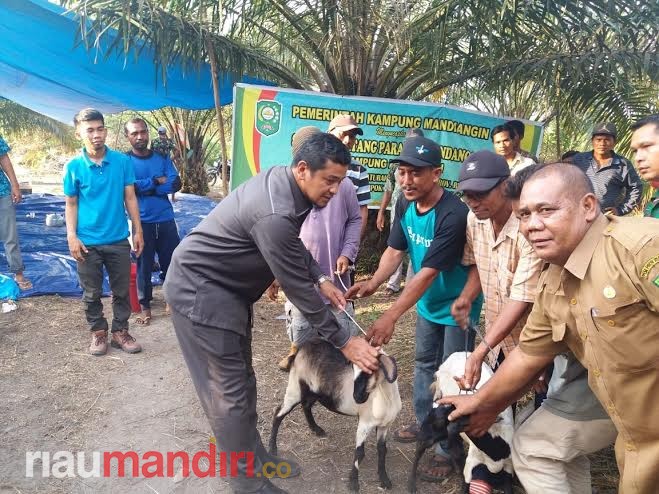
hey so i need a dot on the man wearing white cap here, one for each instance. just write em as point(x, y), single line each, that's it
point(346, 129)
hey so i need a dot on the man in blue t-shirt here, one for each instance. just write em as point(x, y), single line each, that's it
point(430, 223)
point(99, 189)
point(155, 178)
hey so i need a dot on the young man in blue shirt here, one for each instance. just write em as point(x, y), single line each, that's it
point(155, 178)
point(99, 189)
point(431, 224)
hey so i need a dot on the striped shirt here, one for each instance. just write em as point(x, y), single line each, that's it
point(518, 162)
point(508, 268)
point(358, 174)
point(616, 184)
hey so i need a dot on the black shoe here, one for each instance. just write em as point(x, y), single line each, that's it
point(267, 488)
point(289, 468)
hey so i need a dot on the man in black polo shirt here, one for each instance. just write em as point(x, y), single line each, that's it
point(224, 266)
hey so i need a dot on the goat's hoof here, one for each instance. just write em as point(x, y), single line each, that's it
point(319, 431)
point(385, 483)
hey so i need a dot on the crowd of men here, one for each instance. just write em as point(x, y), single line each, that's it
point(570, 287)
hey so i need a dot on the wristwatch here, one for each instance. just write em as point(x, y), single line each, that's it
point(322, 279)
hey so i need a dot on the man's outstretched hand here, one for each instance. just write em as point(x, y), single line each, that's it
point(361, 354)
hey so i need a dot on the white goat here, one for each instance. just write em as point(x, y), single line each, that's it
point(320, 372)
point(489, 456)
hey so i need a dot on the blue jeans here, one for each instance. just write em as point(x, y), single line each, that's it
point(161, 238)
point(434, 343)
point(9, 234)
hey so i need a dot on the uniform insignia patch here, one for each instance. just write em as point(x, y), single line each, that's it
point(647, 267)
point(656, 281)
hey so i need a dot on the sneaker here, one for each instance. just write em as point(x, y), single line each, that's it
point(121, 339)
point(99, 344)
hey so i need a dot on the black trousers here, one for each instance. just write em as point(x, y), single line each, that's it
point(116, 260)
point(220, 364)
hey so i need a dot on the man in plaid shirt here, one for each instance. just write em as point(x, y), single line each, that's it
point(503, 263)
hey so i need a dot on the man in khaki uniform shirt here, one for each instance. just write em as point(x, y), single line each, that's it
point(599, 298)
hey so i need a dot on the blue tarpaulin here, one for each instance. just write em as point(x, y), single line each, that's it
point(45, 250)
point(44, 69)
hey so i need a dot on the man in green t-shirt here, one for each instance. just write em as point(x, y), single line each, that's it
point(645, 145)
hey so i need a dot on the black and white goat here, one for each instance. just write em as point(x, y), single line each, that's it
point(320, 372)
point(488, 461)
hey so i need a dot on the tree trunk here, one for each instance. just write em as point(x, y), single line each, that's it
point(218, 112)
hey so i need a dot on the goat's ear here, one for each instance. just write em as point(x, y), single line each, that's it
point(389, 368)
point(360, 386)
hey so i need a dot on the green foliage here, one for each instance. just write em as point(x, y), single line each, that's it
point(20, 121)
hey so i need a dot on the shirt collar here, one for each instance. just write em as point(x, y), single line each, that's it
point(301, 203)
point(91, 163)
point(578, 262)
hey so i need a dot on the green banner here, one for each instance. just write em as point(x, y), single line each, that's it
point(265, 119)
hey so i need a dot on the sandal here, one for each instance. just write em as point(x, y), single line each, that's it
point(143, 320)
point(24, 285)
point(407, 434)
point(436, 469)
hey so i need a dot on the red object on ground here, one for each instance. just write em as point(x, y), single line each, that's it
point(132, 290)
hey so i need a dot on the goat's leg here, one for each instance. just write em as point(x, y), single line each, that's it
point(315, 428)
point(507, 483)
point(363, 431)
point(291, 400)
point(421, 447)
point(381, 433)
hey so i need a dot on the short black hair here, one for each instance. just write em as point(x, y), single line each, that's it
point(567, 155)
point(319, 148)
point(515, 183)
point(414, 132)
point(517, 126)
point(88, 115)
point(502, 128)
point(135, 120)
point(649, 120)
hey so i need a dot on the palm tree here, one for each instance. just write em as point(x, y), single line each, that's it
point(15, 118)
point(588, 56)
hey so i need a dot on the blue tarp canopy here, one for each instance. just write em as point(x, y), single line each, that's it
point(45, 250)
point(44, 69)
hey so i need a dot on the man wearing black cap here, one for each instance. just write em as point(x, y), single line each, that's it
point(501, 260)
point(430, 223)
point(617, 185)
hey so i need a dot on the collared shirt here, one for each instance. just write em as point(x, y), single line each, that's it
point(508, 269)
point(519, 162)
point(100, 192)
point(5, 186)
point(334, 231)
point(226, 263)
point(652, 209)
point(604, 307)
point(358, 175)
point(617, 185)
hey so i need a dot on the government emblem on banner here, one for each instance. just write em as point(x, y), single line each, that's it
point(268, 117)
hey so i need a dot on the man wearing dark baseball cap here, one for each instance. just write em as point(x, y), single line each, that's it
point(429, 223)
point(617, 185)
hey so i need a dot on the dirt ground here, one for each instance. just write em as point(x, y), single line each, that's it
point(56, 397)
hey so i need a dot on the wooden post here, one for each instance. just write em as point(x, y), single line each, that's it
point(218, 113)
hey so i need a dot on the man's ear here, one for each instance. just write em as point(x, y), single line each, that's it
point(300, 169)
point(590, 207)
point(437, 173)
